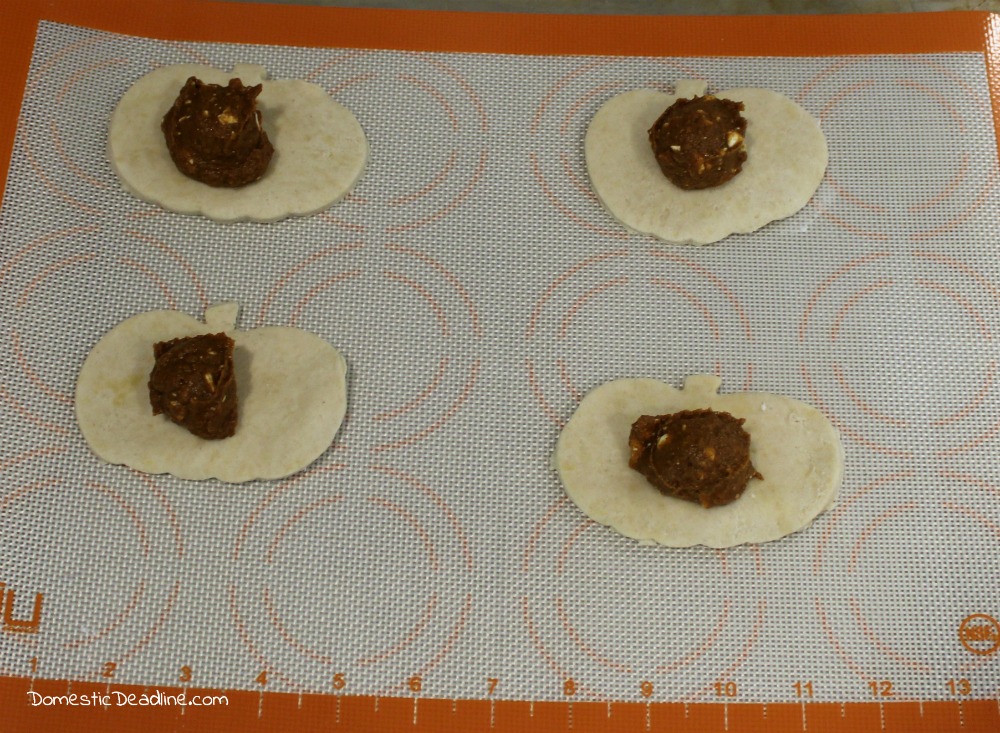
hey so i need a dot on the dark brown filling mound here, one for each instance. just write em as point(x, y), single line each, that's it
point(193, 383)
point(699, 143)
point(697, 455)
point(214, 133)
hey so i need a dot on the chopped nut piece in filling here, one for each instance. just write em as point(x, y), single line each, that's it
point(193, 383)
point(214, 133)
point(699, 142)
point(697, 455)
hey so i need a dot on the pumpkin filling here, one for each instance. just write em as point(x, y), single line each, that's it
point(697, 455)
point(193, 383)
point(699, 142)
point(214, 133)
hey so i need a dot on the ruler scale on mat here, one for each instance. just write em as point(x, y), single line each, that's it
point(428, 572)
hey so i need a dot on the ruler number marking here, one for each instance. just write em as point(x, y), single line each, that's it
point(725, 688)
point(881, 688)
point(960, 687)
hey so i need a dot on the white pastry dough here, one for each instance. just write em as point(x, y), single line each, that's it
point(320, 148)
point(792, 445)
point(291, 386)
point(786, 160)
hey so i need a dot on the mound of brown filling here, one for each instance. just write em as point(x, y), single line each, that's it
point(697, 455)
point(214, 133)
point(193, 383)
point(698, 142)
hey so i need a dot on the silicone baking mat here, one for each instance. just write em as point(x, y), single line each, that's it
point(427, 572)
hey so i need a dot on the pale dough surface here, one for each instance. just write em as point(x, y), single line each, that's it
point(320, 148)
point(792, 445)
point(291, 386)
point(786, 159)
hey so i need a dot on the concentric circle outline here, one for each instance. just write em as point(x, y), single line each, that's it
point(563, 614)
point(178, 259)
point(878, 285)
point(561, 329)
point(450, 166)
point(301, 514)
point(854, 605)
point(32, 375)
point(949, 187)
point(142, 535)
point(302, 265)
point(410, 636)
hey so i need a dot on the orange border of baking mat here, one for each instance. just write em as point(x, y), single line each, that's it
point(192, 20)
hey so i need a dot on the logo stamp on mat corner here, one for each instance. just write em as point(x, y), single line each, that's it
point(980, 634)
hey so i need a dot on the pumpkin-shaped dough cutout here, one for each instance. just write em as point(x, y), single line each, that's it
point(793, 445)
point(320, 148)
point(786, 160)
point(291, 385)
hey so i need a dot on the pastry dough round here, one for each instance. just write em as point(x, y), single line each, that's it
point(793, 445)
point(786, 160)
point(320, 148)
point(291, 387)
